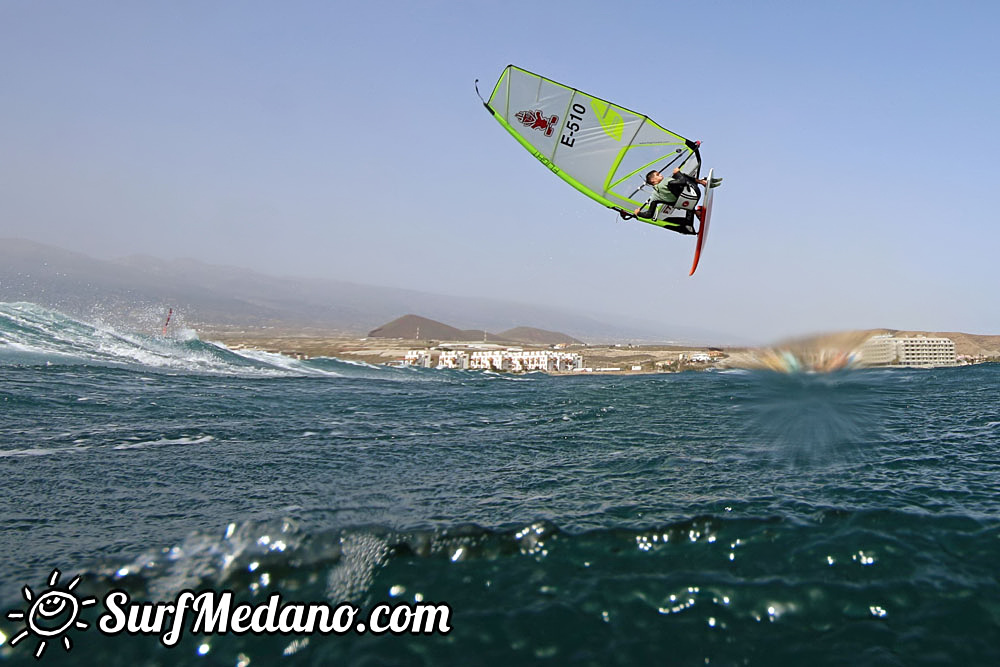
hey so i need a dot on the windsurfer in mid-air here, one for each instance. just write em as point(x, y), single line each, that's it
point(666, 193)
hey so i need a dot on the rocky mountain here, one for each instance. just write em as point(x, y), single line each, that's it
point(415, 327)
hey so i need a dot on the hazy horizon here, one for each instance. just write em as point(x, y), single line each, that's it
point(346, 142)
point(133, 290)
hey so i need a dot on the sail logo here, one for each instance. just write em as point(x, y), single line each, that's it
point(536, 120)
point(611, 121)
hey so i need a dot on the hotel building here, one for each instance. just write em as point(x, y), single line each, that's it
point(886, 350)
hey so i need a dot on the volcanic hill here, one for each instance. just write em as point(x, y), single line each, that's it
point(415, 327)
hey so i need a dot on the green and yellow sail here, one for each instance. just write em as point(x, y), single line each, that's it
point(601, 149)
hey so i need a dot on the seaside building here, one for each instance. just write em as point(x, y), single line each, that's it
point(878, 351)
point(453, 359)
point(568, 361)
point(886, 350)
point(421, 358)
point(922, 351)
point(539, 360)
point(966, 359)
point(513, 359)
point(490, 360)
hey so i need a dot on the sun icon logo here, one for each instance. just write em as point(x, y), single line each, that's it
point(51, 614)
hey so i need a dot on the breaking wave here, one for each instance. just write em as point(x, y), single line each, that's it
point(32, 335)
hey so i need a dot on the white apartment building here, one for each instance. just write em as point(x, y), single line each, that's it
point(544, 360)
point(920, 351)
point(495, 360)
point(537, 360)
point(568, 361)
point(888, 350)
point(453, 359)
point(512, 359)
point(421, 358)
point(878, 351)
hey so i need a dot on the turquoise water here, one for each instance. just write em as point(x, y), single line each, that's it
point(720, 517)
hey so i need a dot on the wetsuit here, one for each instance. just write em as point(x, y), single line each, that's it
point(665, 193)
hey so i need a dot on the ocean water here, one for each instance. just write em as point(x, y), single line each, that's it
point(729, 518)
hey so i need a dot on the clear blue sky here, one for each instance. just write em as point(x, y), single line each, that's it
point(858, 141)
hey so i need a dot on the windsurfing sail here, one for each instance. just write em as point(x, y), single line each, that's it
point(601, 149)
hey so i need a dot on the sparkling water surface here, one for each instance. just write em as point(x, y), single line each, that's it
point(715, 517)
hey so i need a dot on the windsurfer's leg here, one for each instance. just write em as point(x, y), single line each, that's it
point(689, 227)
point(653, 207)
point(682, 224)
point(649, 213)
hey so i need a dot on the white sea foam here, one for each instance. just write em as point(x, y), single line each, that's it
point(184, 440)
point(42, 451)
point(28, 330)
point(353, 362)
point(283, 362)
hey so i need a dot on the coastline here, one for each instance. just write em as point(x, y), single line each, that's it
point(599, 358)
point(820, 353)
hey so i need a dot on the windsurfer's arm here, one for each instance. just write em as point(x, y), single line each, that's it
point(679, 175)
